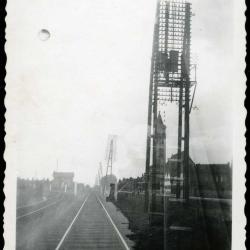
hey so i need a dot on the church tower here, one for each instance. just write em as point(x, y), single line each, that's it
point(160, 135)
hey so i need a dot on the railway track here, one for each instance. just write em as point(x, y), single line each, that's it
point(92, 228)
point(38, 226)
point(84, 224)
point(34, 210)
point(29, 209)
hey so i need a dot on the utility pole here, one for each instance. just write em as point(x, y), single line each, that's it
point(179, 147)
point(187, 93)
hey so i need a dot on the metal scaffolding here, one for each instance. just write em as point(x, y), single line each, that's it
point(170, 82)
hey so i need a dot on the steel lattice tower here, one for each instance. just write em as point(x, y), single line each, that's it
point(110, 157)
point(169, 82)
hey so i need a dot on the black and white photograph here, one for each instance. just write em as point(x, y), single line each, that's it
point(125, 125)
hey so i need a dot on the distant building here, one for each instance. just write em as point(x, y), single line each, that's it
point(171, 177)
point(211, 180)
point(63, 181)
point(136, 185)
point(206, 180)
point(30, 191)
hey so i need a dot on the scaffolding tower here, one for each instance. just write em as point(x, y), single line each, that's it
point(170, 82)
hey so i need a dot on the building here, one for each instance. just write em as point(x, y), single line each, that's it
point(206, 180)
point(63, 181)
point(160, 135)
point(30, 191)
point(211, 180)
point(136, 185)
point(171, 177)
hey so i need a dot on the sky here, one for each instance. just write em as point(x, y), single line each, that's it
point(90, 79)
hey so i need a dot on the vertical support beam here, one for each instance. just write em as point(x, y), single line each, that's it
point(154, 165)
point(148, 149)
point(155, 102)
point(186, 143)
point(187, 93)
point(150, 110)
point(179, 158)
point(111, 156)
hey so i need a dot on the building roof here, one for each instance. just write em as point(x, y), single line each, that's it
point(160, 126)
point(159, 120)
point(175, 157)
point(171, 166)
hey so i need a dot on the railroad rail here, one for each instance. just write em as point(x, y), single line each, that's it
point(31, 204)
point(92, 228)
point(78, 224)
point(31, 209)
point(37, 210)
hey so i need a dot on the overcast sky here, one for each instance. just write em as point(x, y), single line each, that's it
point(91, 79)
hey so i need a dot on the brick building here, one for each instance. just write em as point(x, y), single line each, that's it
point(206, 180)
point(171, 177)
point(63, 181)
point(211, 180)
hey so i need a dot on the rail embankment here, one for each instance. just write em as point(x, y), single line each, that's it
point(202, 223)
